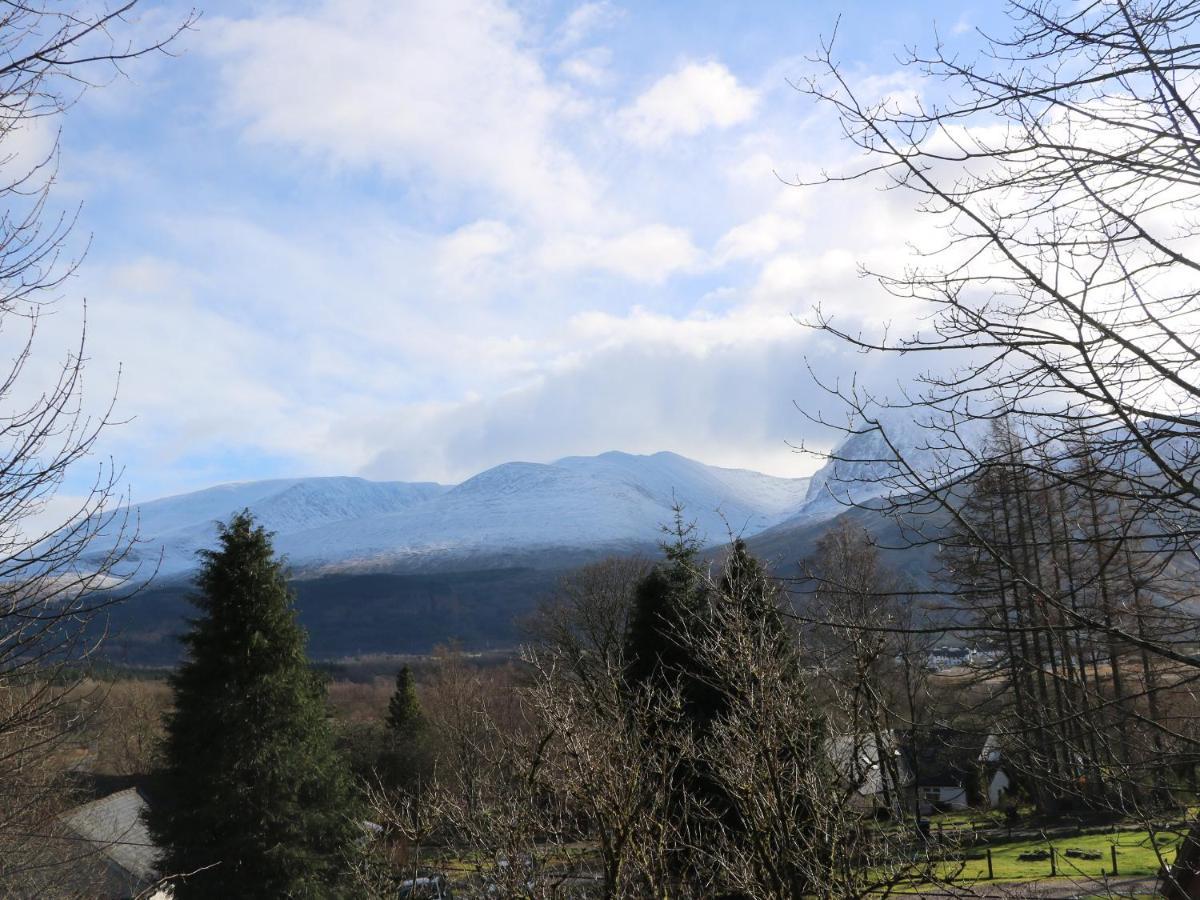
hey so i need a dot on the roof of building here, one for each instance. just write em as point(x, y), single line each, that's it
point(857, 760)
point(992, 750)
point(943, 757)
point(114, 824)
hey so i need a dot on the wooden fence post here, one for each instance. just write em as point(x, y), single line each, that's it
point(1053, 862)
point(1113, 848)
point(989, 860)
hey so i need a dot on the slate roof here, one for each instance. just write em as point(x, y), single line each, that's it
point(943, 757)
point(114, 824)
point(857, 760)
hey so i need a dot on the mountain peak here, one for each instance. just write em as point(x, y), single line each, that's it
point(604, 503)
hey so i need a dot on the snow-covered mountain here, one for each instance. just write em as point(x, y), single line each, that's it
point(865, 467)
point(608, 502)
point(397, 567)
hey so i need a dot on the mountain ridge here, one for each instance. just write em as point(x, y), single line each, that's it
point(613, 501)
point(387, 567)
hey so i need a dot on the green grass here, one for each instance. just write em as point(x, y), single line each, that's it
point(1135, 856)
point(966, 817)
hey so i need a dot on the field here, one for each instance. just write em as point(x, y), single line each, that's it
point(1138, 853)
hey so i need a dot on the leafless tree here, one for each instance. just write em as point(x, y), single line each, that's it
point(57, 572)
point(1062, 164)
point(495, 808)
point(603, 760)
point(853, 589)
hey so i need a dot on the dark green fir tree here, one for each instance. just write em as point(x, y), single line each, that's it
point(255, 800)
point(746, 586)
point(407, 759)
point(671, 602)
point(678, 619)
point(404, 716)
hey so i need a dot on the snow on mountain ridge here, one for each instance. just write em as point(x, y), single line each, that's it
point(612, 500)
point(283, 503)
point(769, 495)
point(866, 467)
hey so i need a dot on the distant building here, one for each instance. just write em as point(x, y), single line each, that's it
point(944, 767)
point(122, 865)
point(998, 788)
point(881, 781)
point(929, 770)
point(998, 783)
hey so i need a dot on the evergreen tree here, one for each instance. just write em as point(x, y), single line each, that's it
point(745, 584)
point(673, 610)
point(670, 604)
point(406, 762)
point(404, 715)
point(259, 803)
point(768, 758)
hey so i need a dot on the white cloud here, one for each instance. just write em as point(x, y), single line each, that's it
point(640, 396)
point(466, 259)
point(450, 265)
point(446, 89)
point(761, 237)
point(697, 97)
point(649, 254)
point(584, 20)
point(588, 66)
point(698, 334)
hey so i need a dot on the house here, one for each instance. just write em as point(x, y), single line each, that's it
point(997, 781)
point(927, 769)
point(999, 787)
point(880, 781)
point(944, 767)
point(942, 761)
point(122, 865)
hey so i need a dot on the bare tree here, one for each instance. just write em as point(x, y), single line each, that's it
point(853, 589)
point(601, 758)
point(1062, 164)
point(56, 572)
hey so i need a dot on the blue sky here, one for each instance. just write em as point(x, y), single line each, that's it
point(412, 240)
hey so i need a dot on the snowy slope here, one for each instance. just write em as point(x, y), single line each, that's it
point(174, 528)
point(866, 466)
point(615, 500)
point(612, 500)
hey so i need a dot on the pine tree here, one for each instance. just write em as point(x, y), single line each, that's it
point(668, 605)
point(407, 760)
point(745, 583)
point(672, 611)
point(405, 716)
point(259, 803)
point(769, 752)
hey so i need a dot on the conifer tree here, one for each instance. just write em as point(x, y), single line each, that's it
point(673, 613)
point(404, 715)
point(406, 762)
point(668, 605)
point(257, 801)
point(745, 584)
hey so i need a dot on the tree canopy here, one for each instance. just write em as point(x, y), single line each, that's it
point(260, 803)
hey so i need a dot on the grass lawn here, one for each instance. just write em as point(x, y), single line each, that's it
point(966, 817)
point(1135, 856)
